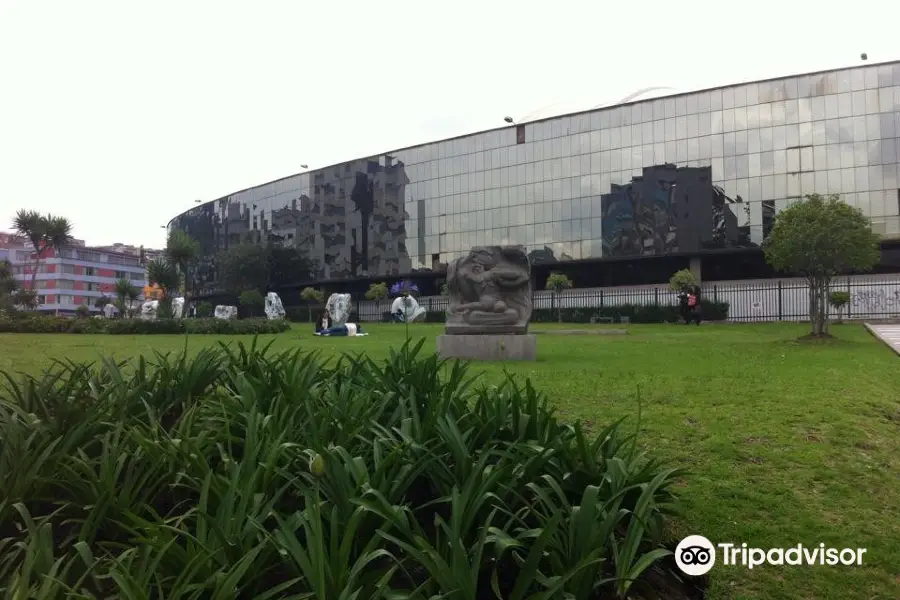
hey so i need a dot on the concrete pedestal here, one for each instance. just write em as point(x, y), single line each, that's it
point(488, 347)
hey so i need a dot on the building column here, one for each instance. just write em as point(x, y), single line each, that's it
point(697, 270)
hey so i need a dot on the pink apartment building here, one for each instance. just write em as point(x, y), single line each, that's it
point(77, 275)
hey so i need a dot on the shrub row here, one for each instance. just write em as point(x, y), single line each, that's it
point(239, 473)
point(636, 313)
point(31, 323)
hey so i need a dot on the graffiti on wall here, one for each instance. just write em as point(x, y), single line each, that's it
point(875, 300)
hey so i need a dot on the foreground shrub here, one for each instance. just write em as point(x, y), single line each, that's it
point(238, 473)
point(51, 324)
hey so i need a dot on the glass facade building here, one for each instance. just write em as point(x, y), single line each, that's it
point(685, 175)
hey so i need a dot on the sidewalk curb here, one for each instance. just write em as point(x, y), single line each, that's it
point(879, 337)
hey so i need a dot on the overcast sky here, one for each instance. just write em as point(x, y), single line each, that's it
point(118, 114)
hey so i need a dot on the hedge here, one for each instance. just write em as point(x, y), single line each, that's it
point(636, 313)
point(54, 324)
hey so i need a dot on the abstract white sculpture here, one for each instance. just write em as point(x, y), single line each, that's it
point(408, 308)
point(109, 311)
point(149, 309)
point(226, 312)
point(274, 307)
point(338, 307)
point(177, 308)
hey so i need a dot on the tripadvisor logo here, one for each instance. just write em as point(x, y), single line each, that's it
point(695, 555)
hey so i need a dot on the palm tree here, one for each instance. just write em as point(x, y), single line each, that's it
point(123, 292)
point(181, 251)
point(133, 294)
point(43, 231)
point(164, 274)
point(30, 224)
point(58, 232)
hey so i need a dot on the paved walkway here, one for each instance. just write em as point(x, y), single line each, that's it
point(889, 334)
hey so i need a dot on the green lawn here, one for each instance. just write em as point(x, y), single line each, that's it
point(786, 442)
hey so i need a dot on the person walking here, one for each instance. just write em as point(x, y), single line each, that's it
point(693, 306)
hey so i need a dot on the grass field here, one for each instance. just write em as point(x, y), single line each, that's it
point(786, 442)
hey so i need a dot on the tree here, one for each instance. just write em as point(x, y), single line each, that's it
point(123, 292)
point(102, 301)
point(164, 274)
point(819, 238)
point(251, 300)
point(558, 283)
point(377, 292)
point(132, 295)
point(83, 311)
point(838, 300)
point(311, 296)
point(8, 286)
point(181, 252)
point(682, 281)
point(244, 267)
point(43, 232)
point(287, 265)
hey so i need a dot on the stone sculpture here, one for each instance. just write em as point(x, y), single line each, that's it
point(490, 306)
point(338, 307)
point(149, 309)
point(177, 308)
point(408, 309)
point(274, 307)
point(226, 312)
point(490, 291)
point(109, 311)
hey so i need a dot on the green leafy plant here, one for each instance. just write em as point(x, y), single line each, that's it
point(819, 238)
point(53, 324)
point(682, 281)
point(376, 293)
point(43, 232)
point(252, 301)
point(205, 310)
point(125, 296)
point(239, 472)
point(311, 296)
point(558, 283)
point(838, 300)
point(83, 311)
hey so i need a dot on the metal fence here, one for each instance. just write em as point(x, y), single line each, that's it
point(871, 297)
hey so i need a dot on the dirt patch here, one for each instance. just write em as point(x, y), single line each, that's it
point(824, 338)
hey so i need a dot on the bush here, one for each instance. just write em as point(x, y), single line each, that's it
point(637, 313)
point(52, 324)
point(281, 476)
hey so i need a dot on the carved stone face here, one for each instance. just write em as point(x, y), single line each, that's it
point(338, 307)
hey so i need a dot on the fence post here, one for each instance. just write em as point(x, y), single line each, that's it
point(849, 297)
point(601, 299)
point(716, 294)
point(656, 296)
point(780, 316)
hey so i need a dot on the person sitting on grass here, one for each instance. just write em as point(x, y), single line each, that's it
point(324, 322)
point(347, 329)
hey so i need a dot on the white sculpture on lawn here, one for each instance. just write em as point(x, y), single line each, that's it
point(408, 309)
point(177, 308)
point(109, 310)
point(149, 310)
point(274, 307)
point(338, 307)
point(226, 312)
